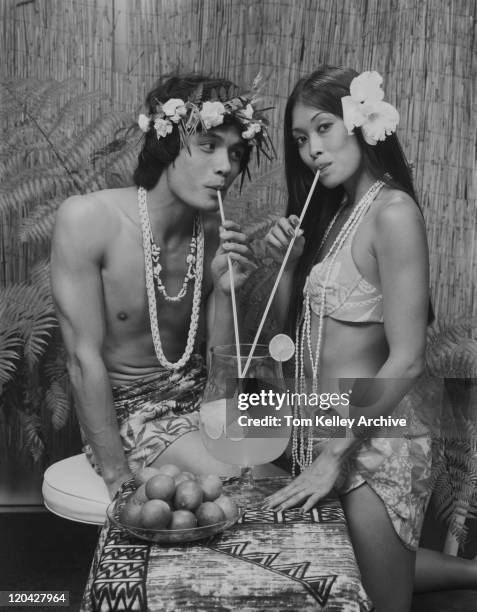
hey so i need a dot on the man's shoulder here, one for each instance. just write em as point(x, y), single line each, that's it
point(98, 208)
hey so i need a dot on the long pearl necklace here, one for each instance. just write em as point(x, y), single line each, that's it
point(302, 442)
point(151, 292)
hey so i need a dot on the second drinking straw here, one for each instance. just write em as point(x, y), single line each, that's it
point(232, 292)
point(279, 275)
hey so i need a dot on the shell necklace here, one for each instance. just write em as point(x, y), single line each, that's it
point(302, 441)
point(195, 261)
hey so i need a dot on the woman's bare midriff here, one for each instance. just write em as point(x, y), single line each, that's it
point(349, 350)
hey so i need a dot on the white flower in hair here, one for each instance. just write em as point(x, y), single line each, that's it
point(366, 87)
point(252, 129)
point(163, 127)
point(364, 108)
point(212, 114)
point(174, 109)
point(247, 112)
point(144, 122)
point(380, 124)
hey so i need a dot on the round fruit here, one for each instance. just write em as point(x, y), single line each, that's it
point(183, 476)
point(183, 519)
point(155, 514)
point(139, 496)
point(160, 486)
point(144, 475)
point(211, 486)
point(228, 506)
point(209, 513)
point(188, 495)
point(170, 470)
point(130, 514)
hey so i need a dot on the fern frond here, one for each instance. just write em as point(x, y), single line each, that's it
point(58, 404)
point(16, 93)
point(28, 99)
point(30, 310)
point(36, 185)
point(10, 350)
point(37, 333)
point(33, 437)
point(452, 351)
point(260, 228)
point(40, 275)
point(272, 178)
point(117, 167)
point(43, 101)
point(94, 137)
point(38, 227)
point(18, 139)
point(32, 155)
point(9, 111)
point(67, 117)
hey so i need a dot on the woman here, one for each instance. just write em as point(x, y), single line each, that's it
point(356, 292)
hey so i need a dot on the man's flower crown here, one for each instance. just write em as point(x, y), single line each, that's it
point(196, 115)
point(364, 108)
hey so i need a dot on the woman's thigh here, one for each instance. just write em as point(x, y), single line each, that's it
point(386, 565)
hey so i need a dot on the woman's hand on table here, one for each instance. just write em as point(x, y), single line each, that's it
point(314, 483)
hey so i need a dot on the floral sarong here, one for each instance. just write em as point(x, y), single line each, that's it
point(397, 466)
point(154, 412)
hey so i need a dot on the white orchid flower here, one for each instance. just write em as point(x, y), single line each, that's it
point(380, 124)
point(364, 108)
point(366, 87)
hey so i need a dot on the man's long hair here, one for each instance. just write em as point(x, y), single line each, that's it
point(324, 89)
point(157, 153)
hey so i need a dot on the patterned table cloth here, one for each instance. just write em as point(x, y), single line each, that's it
point(268, 561)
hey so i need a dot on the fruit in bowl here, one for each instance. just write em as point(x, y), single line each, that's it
point(168, 505)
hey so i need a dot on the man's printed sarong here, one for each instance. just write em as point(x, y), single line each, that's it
point(154, 412)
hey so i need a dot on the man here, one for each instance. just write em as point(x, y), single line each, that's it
point(140, 278)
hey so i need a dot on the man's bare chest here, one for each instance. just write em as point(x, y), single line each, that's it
point(124, 285)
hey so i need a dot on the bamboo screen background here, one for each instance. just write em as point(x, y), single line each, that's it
point(425, 49)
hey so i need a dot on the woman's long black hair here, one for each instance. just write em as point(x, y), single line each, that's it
point(386, 161)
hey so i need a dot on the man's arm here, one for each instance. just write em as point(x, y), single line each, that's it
point(77, 248)
point(234, 244)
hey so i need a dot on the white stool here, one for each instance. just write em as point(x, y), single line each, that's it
point(72, 489)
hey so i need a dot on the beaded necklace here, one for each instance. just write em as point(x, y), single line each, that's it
point(190, 260)
point(302, 441)
point(194, 270)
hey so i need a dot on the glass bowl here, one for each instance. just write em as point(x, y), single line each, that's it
point(165, 536)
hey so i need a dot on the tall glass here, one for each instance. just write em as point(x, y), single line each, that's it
point(242, 420)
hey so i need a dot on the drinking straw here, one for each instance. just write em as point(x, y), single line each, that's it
point(279, 275)
point(232, 291)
